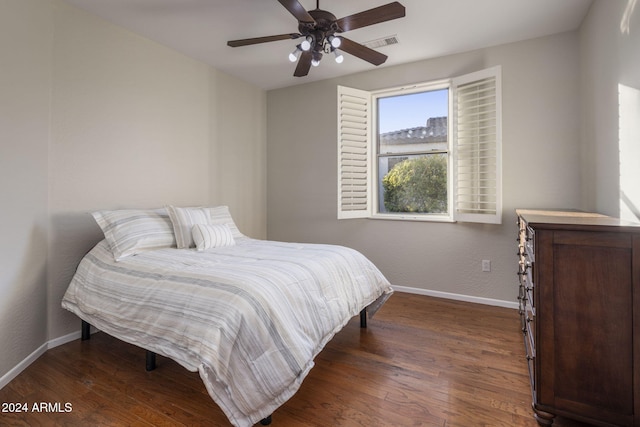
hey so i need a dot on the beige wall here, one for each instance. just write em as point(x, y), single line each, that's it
point(101, 118)
point(610, 64)
point(541, 168)
point(238, 151)
point(130, 128)
point(25, 83)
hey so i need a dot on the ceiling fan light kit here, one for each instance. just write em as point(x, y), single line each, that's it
point(319, 28)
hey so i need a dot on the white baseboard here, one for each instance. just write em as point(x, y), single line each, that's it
point(9, 376)
point(6, 378)
point(63, 340)
point(457, 297)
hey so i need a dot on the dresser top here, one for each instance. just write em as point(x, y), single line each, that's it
point(575, 219)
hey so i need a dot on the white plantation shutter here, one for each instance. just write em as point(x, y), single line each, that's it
point(477, 147)
point(354, 153)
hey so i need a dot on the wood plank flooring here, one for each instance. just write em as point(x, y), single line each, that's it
point(421, 362)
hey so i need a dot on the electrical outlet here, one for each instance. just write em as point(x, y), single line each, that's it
point(486, 265)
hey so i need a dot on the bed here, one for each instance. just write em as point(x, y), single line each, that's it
point(248, 315)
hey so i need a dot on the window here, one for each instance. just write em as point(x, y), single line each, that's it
point(444, 164)
point(412, 151)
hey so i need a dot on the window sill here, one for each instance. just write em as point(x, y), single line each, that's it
point(409, 217)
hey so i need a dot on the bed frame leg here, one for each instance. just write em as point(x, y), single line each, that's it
point(266, 421)
point(363, 318)
point(85, 333)
point(151, 361)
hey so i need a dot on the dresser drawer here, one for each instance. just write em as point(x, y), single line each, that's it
point(525, 270)
point(522, 300)
point(530, 329)
point(528, 286)
point(529, 243)
point(526, 239)
point(531, 364)
point(529, 300)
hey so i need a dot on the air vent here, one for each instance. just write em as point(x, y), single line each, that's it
point(384, 41)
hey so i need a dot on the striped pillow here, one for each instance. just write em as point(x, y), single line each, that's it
point(208, 236)
point(221, 215)
point(183, 220)
point(131, 231)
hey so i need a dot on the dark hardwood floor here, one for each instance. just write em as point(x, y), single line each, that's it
point(421, 362)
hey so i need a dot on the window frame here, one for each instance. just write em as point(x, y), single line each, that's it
point(368, 144)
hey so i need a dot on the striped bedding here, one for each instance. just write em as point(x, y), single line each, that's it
point(250, 318)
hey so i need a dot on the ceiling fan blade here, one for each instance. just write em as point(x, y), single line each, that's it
point(304, 64)
point(296, 9)
point(256, 40)
point(362, 52)
point(372, 16)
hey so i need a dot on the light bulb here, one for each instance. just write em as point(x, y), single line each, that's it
point(315, 58)
point(335, 41)
point(339, 57)
point(306, 44)
point(293, 56)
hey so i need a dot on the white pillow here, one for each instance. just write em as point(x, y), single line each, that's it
point(131, 231)
point(208, 236)
point(183, 220)
point(221, 215)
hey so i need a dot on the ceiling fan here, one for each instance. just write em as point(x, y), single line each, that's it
point(319, 28)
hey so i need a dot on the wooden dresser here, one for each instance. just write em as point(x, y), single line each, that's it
point(580, 312)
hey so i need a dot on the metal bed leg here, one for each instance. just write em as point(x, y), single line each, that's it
point(151, 361)
point(266, 421)
point(363, 318)
point(85, 333)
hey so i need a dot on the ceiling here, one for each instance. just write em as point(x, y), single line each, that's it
point(431, 28)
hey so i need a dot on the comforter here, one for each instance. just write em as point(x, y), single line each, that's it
point(249, 318)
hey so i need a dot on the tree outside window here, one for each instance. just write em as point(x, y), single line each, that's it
point(417, 185)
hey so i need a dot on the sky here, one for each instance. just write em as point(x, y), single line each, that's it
point(413, 110)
